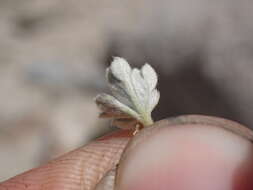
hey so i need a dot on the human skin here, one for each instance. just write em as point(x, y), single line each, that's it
point(193, 152)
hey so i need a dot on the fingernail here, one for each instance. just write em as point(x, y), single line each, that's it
point(187, 157)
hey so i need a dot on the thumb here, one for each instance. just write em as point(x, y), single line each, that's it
point(188, 153)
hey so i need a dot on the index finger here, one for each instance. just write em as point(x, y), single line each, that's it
point(79, 169)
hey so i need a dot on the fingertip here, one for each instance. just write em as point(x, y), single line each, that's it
point(186, 157)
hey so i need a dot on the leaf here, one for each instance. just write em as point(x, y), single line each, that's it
point(117, 88)
point(134, 94)
point(154, 99)
point(149, 75)
point(111, 106)
point(124, 123)
point(120, 68)
point(140, 89)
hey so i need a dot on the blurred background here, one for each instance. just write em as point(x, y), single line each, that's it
point(53, 54)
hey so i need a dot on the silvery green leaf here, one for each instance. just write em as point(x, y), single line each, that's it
point(154, 99)
point(124, 123)
point(111, 106)
point(117, 88)
point(140, 89)
point(134, 94)
point(149, 75)
point(120, 68)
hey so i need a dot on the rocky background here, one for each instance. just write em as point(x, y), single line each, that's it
point(53, 54)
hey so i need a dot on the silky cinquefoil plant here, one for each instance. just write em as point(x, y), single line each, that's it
point(146, 162)
point(134, 95)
